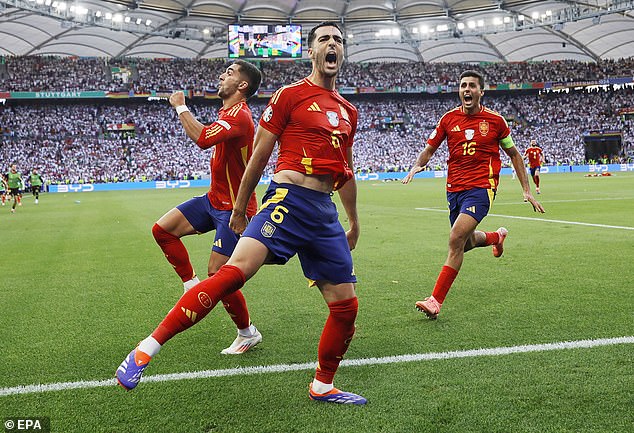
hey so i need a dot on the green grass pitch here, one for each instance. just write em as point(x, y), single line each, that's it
point(82, 281)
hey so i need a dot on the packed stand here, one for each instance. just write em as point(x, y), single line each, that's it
point(50, 73)
point(413, 75)
point(181, 74)
point(73, 143)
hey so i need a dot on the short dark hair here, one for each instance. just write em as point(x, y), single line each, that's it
point(311, 35)
point(253, 76)
point(474, 74)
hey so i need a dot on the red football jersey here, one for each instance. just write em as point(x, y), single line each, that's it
point(314, 127)
point(232, 135)
point(534, 154)
point(474, 153)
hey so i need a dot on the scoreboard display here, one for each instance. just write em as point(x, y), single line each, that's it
point(265, 41)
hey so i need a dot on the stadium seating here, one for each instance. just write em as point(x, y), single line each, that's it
point(72, 141)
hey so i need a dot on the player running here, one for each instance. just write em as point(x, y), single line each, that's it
point(14, 182)
point(474, 136)
point(35, 180)
point(315, 129)
point(535, 157)
point(232, 137)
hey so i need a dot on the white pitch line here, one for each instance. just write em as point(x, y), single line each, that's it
point(538, 219)
point(281, 368)
point(563, 222)
point(580, 200)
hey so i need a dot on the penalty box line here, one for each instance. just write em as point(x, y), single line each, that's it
point(281, 368)
point(577, 223)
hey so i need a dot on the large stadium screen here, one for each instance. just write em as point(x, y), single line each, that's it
point(265, 41)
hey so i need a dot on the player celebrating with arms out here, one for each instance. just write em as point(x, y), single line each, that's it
point(315, 129)
point(474, 135)
point(535, 157)
point(232, 135)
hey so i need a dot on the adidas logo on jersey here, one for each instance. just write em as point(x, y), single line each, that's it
point(456, 129)
point(314, 107)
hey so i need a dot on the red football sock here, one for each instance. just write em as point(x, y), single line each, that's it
point(198, 301)
point(492, 238)
point(537, 181)
point(236, 306)
point(174, 251)
point(336, 337)
point(443, 283)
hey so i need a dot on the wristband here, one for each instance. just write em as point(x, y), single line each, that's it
point(181, 109)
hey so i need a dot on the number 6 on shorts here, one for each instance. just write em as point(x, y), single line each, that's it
point(278, 214)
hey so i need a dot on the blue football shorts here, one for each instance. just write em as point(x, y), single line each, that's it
point(297, 220)
point(534, 170)
point(473, 202)
point(205, 218)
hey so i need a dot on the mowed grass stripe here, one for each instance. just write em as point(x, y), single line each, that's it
point(281, 368)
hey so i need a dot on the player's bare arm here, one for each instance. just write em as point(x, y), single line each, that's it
point(193, 128)
point(348, 196)
point(263, 147)
point(518, 164)
point(421, 162)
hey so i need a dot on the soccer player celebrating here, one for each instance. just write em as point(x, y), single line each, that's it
point(35, 180)
point(535, 157)
point(315, 129)
point(474, 135)
point(14, 181)
point(232, 135)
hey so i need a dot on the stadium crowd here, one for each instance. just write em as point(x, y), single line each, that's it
point(414, 75)
point(76, 142)
point(50, 73)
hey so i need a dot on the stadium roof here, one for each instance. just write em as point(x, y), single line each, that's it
point(376, 30)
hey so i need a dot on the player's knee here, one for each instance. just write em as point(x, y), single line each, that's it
point(470, 244)
point(156, 231)
point(345, 310)
point(457, 242)
point(161, 235)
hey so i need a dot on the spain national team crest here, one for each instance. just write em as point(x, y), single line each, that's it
point(267, 229)
point(268, 113)
point(484, 127)
point(469, 133)
point(205, 300)
point(333, 118)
